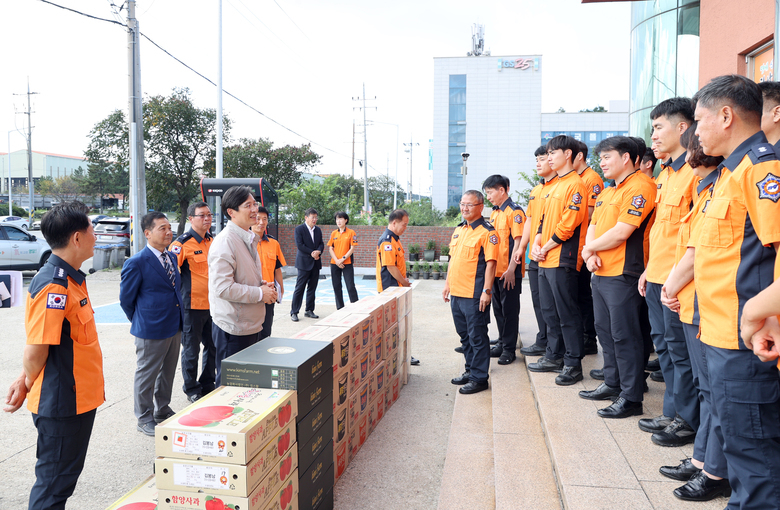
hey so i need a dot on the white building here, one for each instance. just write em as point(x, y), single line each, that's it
point(44, 164)
point(588, 127)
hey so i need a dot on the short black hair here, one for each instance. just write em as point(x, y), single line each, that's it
point(541, 151)
point(685, 138)
point(742, 94)
point(696, 156)
point(398, 214)
point(641, 145)
point(62, 221)
point(621, 144)
point(311, 210)
point(194, 207)
point(234, 197)
point(341, 214)
point(496, 181)
point(583, 150)
point(564, 143)
point(263, 210)
point(771, 93)
point(650, 156)
point(676, 108)
point(476, 193)
point(147, 222)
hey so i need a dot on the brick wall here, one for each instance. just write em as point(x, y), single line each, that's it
point(365, 252)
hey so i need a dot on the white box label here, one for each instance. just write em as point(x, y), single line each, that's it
point(199, 443)
point(207, 477)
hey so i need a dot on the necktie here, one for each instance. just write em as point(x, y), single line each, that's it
point(169, 268)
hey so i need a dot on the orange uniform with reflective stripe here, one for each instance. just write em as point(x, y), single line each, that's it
point(565, 221)
point(594, 185)
point(389, 252)
point(508, 219)
point(270, 255)
point(342, 242)
point(676, 190)
point(192, 252)
point(471, 247)
point(630, 202)
point(689, 229)
point(58, 313)
point(735, 258)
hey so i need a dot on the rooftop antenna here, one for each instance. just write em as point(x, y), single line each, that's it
point(477, 41)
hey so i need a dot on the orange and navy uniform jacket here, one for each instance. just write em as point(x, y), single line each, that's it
point(270, 255)
point(735, 256)
point(676, 188)
point(535, 209)
point(389, 252)
point(508, 219)
point(689, 230)
point(471, 247)
point(342, 242)
point(192, 254)
point(565, 221)
point(59, 314)
point(594, 185)
point(630, 202)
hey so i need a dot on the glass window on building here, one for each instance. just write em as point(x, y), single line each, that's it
point(761, 63)
point(457, 137)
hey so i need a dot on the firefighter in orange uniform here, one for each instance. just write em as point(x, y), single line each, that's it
point(342, 244)
point(271, 256)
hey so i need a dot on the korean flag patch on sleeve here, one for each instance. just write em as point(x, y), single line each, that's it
point(388, 247)
point(175, 249)
point(56, 301)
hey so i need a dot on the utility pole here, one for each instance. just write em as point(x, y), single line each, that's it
point(30, 184)
point(410, 150)
point(353, 148)
point(136, 130)
point(366, 205)
point(219, 162)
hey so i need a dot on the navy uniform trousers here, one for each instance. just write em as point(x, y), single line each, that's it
point(196, 330)
point(585, 301)
point(558, 295)
point(533, 282)
point(472, 327)
point(506, 308)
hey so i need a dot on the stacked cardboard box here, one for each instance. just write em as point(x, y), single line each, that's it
point(307, 366)
point(235, 446)
point(142, 497)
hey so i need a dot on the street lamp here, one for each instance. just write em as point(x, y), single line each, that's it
point(464, 169)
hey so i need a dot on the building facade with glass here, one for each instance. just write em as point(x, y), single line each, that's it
point(44, 164)
point(588, 127)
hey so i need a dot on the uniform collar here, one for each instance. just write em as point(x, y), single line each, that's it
point(707, 181)
point(390, 233)
point(678, 163)
point(629, 176)
point(76, 275)
point(568, 174)
point(667, 164)
point(197, 237)
point(736, 157)
point(478, 222)
point(507, 203)
point(552, 180)
point(777, 147)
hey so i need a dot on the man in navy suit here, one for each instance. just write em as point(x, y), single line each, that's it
point(308, 239)
point(149, 295)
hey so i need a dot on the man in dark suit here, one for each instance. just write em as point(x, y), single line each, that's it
point(308, 239)
point(149, 295)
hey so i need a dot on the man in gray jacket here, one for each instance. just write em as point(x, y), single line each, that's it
point(237, 293)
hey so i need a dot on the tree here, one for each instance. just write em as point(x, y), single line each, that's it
point(381, 194)
point(598, 109)
point(532, 179)
point(423, 213)
point(257, 158)
point(60, 189)
point(561, 110)
point(180, 138)
point(107, 158)
point(330, 195)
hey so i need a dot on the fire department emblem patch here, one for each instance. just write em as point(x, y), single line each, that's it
point(769, 187)
point(576, 198)
point(493, 239)
point(638, 202)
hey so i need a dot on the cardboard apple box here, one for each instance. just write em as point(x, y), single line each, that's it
point(354, 377)
point(340, 387)
point(392, 362)
point(142, 497)
point(402, 329)
point(390, 342)
point(342, 339)
point(358, 404)
point(405, 361)
point(359, 326)
point(380, 406)
point(308, 332)
point(286, 497)
point(341, 424)
point(365, 355)
point(391, 309)
point(374, 309)
point(379, 348)
point(372, 356)
point(376, 382)
point(372, 385)
point(396, 387)
point(389, 395)
point(225, 479)
point(362, 426)
point(230, 425)
point(372, 416)
point(402, 298)
point(340, 459)
point(353, 443)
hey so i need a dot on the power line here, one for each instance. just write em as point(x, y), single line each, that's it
point(261, 22)
point(291, 20)
point(204, 77)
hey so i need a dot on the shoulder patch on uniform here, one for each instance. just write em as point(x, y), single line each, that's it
point(176, 249)
point(634, 213)
point(184, 237)
point(354, 238)
point(56, 301)
point(388, 247)
point(597, 189)
point(638, 202)
point(455, 236)
point(576, 198)
point(769, 187)
point(659, 186)
point(518, 219)
point(493, 239)
point(598, 204)
point(762, 152)
point(60, 274)
point(531, 197)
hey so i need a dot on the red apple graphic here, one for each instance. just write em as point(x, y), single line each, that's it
point(188, 421)
point(212, 413)
point(138, 506)
point(280, 446)
point(214, 504)
point(283, 499)
point(287, 440)
point(289, 492)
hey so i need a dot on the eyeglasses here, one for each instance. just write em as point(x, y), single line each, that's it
point(203, 216)
point(468, 206)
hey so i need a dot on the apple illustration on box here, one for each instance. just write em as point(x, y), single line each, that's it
point(285, 413)
point(208, 416)
point(287, 496)
point(285, 468)
point(138, 506)
point(213, 503)
point(284, 442)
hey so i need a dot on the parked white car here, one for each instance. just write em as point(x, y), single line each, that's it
point(20, 250)
point(15, 220)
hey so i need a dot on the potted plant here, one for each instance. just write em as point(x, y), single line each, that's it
point(425, 269)
point(414, 250)
point(416, 270)
point(445, 253)
point(444, 266)
point(435, 270)
point(430, 250)
point(408, 268)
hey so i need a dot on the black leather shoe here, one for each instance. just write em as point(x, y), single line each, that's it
point(159, 418)
point(656, 424)
point(146, 428)
point(597, 373)
point(590, 347)
point(294, 317)
point(414, 361)
point(192, 398)
point(473, 387)
point(533, 350)
point(657, 376)
point(703, 488)
point(676, 433)
point(653, 365)
point(311, 315)
point(569, 376)
point(459, 349)
point(683, 472)
point(496, 351)
point(546, 365)
point(603, 392)
point(621, 408)
point(494, 342)
point(506, 358)
point(461, 379)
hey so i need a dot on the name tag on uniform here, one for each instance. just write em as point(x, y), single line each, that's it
point(197, 252)
point(83, 302)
